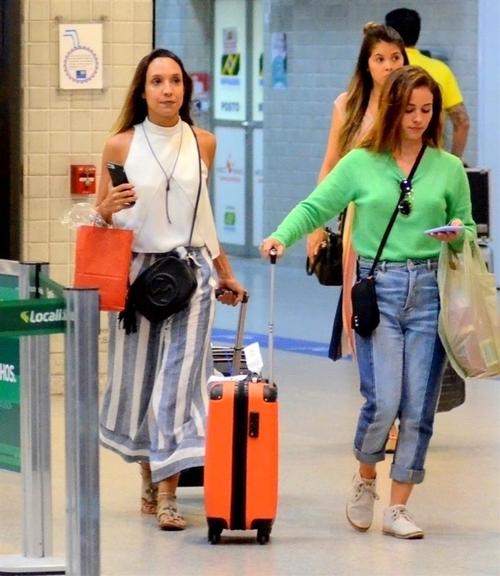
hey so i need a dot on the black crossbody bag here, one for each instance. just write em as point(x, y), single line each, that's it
point(365, 312)
point(166, 286)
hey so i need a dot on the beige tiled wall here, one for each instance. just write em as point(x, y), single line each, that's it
point(69, 127)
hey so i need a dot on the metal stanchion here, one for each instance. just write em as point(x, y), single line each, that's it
point(82, 448)
point(35, 434)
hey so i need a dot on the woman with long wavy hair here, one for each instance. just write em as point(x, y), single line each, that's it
point(382, 51)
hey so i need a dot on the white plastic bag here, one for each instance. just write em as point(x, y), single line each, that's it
point(81, 214)
point(469, 321)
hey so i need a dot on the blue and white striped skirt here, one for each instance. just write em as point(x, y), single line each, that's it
point(156, 399)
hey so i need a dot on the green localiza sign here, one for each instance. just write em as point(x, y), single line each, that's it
point(30, 317)
point(43, 315)
point(10, 442)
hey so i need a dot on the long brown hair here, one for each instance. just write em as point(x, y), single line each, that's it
point(135, 109)
point(386, 133)
point(361, 84)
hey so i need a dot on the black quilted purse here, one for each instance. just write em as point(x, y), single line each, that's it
point(161, 290)
point(327, 265)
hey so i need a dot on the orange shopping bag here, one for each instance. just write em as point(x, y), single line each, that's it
point(102, 260)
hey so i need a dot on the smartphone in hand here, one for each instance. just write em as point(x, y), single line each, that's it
point(117, 175)
point(443, 229)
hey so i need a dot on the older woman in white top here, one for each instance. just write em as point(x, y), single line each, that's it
point(155, 403)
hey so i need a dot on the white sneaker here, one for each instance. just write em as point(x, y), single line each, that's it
point(359, 508)
point(399, 522)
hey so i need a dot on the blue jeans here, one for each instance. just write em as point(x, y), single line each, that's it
point(400, 367)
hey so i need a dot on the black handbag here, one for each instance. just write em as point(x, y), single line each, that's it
point(161, 290)
point(452, 390)
point(166, 286)
point(327, 264)
point(365, 312)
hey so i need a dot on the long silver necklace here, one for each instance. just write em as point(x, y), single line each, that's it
point(169, 178)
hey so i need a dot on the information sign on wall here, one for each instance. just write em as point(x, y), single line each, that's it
point(80, 56)
point(230, 56)
point(229, 185)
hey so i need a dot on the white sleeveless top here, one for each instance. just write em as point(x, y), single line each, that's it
point(148, 217)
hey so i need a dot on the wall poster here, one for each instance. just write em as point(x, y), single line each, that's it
point(258, 62)
point(80, 56)
point(229, 185)
point(279, 58)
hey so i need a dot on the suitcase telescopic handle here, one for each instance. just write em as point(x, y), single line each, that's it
point(240, 331)
point(273, 256)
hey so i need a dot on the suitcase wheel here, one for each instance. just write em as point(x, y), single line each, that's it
point(263, 534)
point(215, 528)
point(262, 538)
point(214, 535)
point(264, 528)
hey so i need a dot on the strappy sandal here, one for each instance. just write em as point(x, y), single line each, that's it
point(149, 492)
point(167, 515)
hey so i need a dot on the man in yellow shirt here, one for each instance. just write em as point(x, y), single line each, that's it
point(407, 23)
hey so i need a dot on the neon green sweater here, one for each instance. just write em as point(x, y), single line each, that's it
point(371, 181)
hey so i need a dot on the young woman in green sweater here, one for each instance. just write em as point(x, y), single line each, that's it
point(401, 362)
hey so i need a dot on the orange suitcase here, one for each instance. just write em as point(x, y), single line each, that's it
point(241, 461)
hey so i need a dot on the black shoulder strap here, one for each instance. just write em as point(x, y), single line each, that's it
point(395, 213)
point(199, 185)
point(417, 162)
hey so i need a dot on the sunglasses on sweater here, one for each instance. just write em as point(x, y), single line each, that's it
point(406, 201)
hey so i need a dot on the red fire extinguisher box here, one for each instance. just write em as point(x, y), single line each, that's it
point(83, 178)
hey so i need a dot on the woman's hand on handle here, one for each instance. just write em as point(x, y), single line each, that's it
point(230, 292)
point(268, 244)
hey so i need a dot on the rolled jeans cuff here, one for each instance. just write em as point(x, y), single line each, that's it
point(401, 474)
point(369, 458)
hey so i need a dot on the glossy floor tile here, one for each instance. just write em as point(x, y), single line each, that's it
point(458, 505)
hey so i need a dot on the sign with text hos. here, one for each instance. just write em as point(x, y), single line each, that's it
point(35, 316)
point(10, 457)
